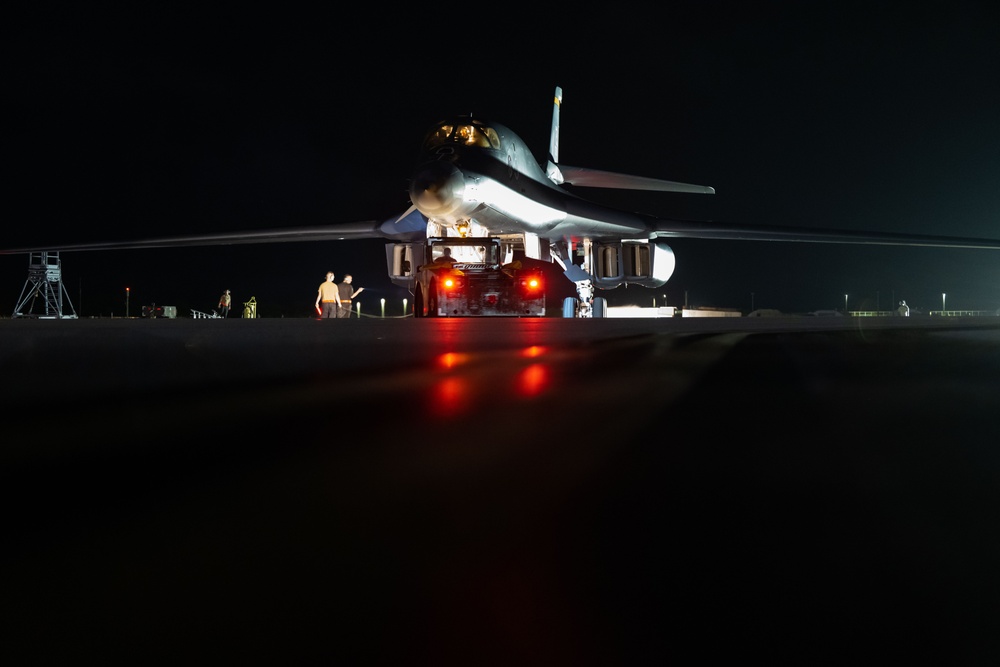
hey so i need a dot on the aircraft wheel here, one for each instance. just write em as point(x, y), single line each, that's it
point(600, 307)
point(432, 300)
point(418, 302)
point(569, 307)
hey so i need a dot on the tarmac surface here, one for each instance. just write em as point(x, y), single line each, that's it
point(502, 491)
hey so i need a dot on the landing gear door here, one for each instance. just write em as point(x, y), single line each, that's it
point(402, 260)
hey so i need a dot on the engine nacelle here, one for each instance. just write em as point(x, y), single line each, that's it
point(629, 262)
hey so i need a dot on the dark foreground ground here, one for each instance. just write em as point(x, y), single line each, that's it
point(501, 492)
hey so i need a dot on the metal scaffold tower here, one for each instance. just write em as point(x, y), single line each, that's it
point(44, 294)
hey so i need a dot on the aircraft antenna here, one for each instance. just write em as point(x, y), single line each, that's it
point(44, 294)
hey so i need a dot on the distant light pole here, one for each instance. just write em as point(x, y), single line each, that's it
point(126, 301)
point(942, 303)
point(845, 304)
point(404, 307)
point(383, 307)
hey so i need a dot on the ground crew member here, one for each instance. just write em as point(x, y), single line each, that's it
point(225, 301)
point(346, 294)
point(327, 296)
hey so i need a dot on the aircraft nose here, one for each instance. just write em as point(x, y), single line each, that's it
point(437, 189)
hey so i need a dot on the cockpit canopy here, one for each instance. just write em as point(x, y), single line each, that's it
point(464, 132)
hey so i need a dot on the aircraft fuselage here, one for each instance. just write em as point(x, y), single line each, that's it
point(503, 190)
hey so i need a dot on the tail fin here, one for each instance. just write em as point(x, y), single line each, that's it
point(552, 168)
point(595, 178)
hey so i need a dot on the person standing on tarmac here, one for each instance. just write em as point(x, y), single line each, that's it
point(327, 295)
point(346, 294)
point(225, 301)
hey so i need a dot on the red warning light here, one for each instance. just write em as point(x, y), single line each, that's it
point(532, 285)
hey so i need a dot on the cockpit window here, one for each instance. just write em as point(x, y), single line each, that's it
point(466, 134)
point(448, 252)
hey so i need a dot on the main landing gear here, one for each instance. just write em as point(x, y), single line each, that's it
point(586, 305)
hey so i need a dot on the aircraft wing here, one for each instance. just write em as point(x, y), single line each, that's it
point(595, 178)
point(412, 226)
point(733, 232)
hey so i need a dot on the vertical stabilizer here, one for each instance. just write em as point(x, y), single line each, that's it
point(552, 168)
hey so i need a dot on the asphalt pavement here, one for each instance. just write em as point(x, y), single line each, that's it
point(503, 491)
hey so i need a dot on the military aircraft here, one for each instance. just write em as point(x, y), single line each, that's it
point(479, 179)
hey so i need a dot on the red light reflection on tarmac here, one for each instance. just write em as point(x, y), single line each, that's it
point(537, 377)
point(533, 380)
point(533, 351)
point(450, 360)
point(471, 378)
point(452, 396)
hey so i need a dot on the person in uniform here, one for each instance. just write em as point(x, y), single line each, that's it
point(326, 297)
point(225, 301)
point(346, 294)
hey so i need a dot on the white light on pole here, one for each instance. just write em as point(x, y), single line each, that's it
point(383, 307)
point(942, 303)
point(845, 304)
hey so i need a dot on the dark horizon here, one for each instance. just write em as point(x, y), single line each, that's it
point(832, 116)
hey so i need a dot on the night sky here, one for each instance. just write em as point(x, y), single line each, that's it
point(144, 122)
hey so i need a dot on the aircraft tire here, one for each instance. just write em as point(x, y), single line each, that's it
point(569, 307)
point(432, 300)
point(418, 302)
point(600, 307)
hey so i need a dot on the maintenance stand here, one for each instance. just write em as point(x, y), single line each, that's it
point(44, 294)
